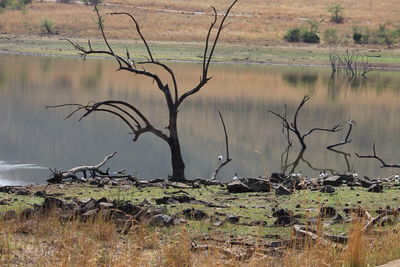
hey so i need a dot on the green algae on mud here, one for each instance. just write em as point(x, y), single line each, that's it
point(302, 55)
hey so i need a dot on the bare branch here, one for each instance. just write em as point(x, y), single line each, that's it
point(293, 126)
point(374, 156)
point(346, 139)
point(207, 58)
point(228, 159)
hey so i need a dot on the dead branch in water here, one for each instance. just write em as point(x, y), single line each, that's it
point(346, 139)
point(375, 156)
point(227, 159)
point(293, 126)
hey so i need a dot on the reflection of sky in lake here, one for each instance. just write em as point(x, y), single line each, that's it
point(29, 134)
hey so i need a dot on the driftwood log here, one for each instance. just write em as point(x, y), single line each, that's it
point(59, 177)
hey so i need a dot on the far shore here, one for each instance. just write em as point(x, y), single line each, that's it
point(300, 55)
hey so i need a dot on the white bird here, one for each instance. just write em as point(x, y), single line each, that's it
point(355, 175)
point(220, 158)
point(322, 174)
point(397, 177)
point(235, 177)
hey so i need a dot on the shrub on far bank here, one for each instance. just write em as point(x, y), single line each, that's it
point(14, 4)
point(294, 35)
point(47, 26)
point(381, 36)
point(304, 35)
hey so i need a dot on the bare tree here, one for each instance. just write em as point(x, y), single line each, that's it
point(293, 126)
point(128, 113)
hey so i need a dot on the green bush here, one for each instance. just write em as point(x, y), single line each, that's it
point(47, 26)
point(361, 35)
point(14, 4)
point(310, 37)
point(357, 37)
point(294, 35)
point(336, 11)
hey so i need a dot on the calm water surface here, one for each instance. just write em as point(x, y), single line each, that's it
point(33, 139)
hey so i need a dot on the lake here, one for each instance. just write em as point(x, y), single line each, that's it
point(33, 139)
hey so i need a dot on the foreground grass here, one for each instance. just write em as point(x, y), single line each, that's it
point(47, 241)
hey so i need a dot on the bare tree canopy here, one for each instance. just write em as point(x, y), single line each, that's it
point(137, 122)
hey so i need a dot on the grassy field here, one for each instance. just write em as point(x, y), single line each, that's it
point(98, 242)
point(253, 22)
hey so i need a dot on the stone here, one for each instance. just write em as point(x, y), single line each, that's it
point(257, 184)
point(282, 191)
point(40, 194)
point(128, 208)
point(365, 182)
point(89, 214)
point(277, 177)
point(89, 205)
point(195, 214)
point(232, 218)
point(375, 188)
point(4, 201)
point(105, 205)
point(237, 187)
point(161, 220)
point(94, 182)
point(327, 189)
point(327, 212)
point(285, 221)
point(51, 203)
point(282, 212)
point(337, 180)
point(174, 199)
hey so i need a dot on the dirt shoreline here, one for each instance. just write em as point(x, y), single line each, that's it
point(298, 56)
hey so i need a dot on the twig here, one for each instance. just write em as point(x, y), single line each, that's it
point(346, 139)
point(228, 159)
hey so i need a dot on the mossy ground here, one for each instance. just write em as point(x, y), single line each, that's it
point(250, 207)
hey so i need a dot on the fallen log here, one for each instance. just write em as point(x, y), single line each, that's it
point(59, 177)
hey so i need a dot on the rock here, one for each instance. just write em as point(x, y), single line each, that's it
point(282, 212)
point(332, 180)
point(258, 223)
point(157, 180)
point(237, 187)
point(89, 205)
point(128, 208)
point(285, 221)
point(277, 177)
point(232, 218)
point(258, 184)
point(40, 194)
point(94, 182)
point(51, 203)
point(327, 189)
point(113, 183)
point(4, 201)
point(365, 182)
point(337, 180)
point(174, 200)
point(337, 218)
point(161, 220)
point(89, 214)
point(105, 205)
point(375, 188)
point(22, 192)
point(282, 191)
point(327, 212)
point(195, 214)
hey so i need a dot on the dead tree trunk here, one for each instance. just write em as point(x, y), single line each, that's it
point(137, 122)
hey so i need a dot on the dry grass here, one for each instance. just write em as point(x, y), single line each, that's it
point(252, 22)
point(50, 242)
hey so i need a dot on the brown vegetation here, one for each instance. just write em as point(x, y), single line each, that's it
point(253, 22)
point(97, 243)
